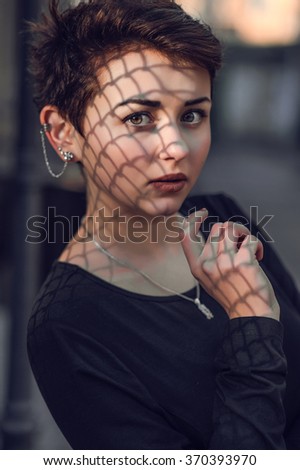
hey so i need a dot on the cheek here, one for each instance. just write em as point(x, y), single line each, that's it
point(125, 148)
point(106, 149)
point(118, 146)
point(116, 163)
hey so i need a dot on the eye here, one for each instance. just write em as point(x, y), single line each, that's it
point(193, 116)
point(139, 119)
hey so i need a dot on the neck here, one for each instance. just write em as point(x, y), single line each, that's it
point(110, 224)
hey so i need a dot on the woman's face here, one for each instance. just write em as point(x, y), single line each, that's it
point(147, 133)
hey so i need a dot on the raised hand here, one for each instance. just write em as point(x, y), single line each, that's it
point(228, 267)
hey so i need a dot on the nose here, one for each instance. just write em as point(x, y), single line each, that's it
point(172, 144)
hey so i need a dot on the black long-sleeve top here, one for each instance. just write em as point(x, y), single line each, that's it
point(121, 370)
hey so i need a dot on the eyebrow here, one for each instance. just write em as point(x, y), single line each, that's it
point(203, 99)
point(157, 104)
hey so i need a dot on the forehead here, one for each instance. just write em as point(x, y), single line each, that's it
point(147, 73)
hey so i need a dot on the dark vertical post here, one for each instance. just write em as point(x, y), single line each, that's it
point(17, 423)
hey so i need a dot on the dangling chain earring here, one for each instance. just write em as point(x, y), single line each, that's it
point(68, 156)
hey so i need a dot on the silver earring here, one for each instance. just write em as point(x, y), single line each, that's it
point(68, 156)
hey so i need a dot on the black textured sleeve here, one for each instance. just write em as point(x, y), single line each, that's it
point(250, 384)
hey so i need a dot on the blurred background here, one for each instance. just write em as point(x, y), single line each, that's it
point(254, 158)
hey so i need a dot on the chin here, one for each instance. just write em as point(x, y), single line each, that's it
point(163, 206)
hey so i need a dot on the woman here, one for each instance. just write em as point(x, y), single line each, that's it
point(126, 352)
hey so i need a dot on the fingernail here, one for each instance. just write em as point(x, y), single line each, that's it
point(202, 213)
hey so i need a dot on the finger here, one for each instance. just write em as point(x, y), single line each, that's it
point(201, 264)
point(191, 229)
point(194, 222)
point(216, 233)
point(233, 236)
point(253, 246)
point(211, 247)
point(242, 233)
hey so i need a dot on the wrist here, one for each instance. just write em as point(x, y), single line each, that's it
point(252, 312)
point(254, 306)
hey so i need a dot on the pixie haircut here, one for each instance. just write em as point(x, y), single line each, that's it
point(68, 47)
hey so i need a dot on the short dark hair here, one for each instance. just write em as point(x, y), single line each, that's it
point(68, 46)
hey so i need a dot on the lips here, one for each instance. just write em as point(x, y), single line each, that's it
point(171, 183)
point(170, 178)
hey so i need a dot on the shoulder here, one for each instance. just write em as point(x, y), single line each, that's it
point(67, 288)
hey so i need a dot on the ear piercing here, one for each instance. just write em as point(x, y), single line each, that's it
point(67, 156)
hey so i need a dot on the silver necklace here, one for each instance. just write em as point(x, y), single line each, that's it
point(126, 264)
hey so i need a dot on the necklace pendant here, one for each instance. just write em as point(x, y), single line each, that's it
point(203, 309)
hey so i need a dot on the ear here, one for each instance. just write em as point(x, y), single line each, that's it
point(61, 133)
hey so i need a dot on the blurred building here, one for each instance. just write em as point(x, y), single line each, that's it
point(259, 22)
point(259, 91)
